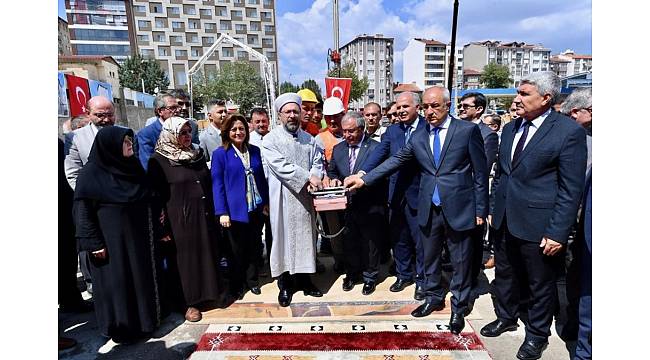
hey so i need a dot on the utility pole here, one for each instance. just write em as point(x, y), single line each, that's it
point(452, 62)
point(333, 54)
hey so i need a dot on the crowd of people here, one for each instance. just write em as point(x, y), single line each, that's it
point(173, 220)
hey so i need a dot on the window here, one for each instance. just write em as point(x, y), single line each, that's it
point(176, 39)
point(192, 38)
point(255, 26)
point(266, 15)
point(180, 53)
point(224, 25)
point(103, 49)
point(159, 37)
point(240, 27)
point(143, 38)
point(177, 24)
point(180, 78)
point(146, 52)
point(267, 42)
point(196, 52)
point(371, 63)
point(189, 10)
point(139, 8)
point(210, 26)
point(162, 51)
point(237, 13)
point(253, 2)
point(251, 13)
point(206, 12)
point(193, 24)
point(268, 28)
point(220, 12)
point(268, 2)
point(242, 55)
point(209, 40)
point(143, 24)
point(174, 10)
point(156, 8)
point(97, 34)
point(252, 39)
point(160, 23)
point(226, 52)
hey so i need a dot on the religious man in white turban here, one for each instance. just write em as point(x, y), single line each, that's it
point(295, 168)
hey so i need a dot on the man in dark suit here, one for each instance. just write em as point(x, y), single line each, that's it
point(403, 195)
point(362, 239)
point(471, 108)
point(453, 198)
point(165, 106)
point(535, 195)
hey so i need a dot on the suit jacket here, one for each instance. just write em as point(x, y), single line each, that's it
point(539, 194)
point(402, 186)
point(229, 182)
point(146, 139)
point(370, 200)
point(209, 141)
point(490, 143)
point(78, 145)
point(461, 177)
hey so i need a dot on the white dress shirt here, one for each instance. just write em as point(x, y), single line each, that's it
point(536, 123)
point(442, 134)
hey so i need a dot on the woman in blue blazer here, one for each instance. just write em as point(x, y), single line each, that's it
point(241, 195)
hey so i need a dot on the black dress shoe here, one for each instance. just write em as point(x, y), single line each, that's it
point(427, 308)
point(348, 283)
point(399, 285)
point(498, 327)
point(368, 287)
point(311, 290)
point(284, 298)
point(532, 349)
point(456, 323)
point(419, 294)
point(256, 290)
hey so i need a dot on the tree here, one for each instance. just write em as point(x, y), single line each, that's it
point(359, 86)
point(237, 81)
point(286, 87)
point(313, 86)
point(495, 76)
point(136, 68)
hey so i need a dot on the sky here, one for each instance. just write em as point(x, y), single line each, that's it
point(304, 28)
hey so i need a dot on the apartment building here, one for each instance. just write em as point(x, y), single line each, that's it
point(425, 63)
point(178, 32)
point(64, 38)
point(373, 58)
point(520, 57)
point(99, 27)
point(568, 63)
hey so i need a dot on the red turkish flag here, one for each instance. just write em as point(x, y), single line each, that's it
point(78, 94)
point(339, 87)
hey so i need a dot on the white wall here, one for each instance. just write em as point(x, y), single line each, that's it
point(413, 63)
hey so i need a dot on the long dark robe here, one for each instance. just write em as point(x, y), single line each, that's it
point(112, 212)
point(184, 191)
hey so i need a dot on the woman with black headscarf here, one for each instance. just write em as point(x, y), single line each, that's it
point(181, 180)
point(113, 220)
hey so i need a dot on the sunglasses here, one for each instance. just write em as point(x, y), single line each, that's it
point(392, 114)
point(466, 106)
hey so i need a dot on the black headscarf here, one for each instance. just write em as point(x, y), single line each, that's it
point(108, 176)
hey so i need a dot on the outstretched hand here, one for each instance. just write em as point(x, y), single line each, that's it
point(314, 184)
point(353, 182)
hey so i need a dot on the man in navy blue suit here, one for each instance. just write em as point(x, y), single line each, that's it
point(362, 239)
point(534, 201)
point(403, 195)
point(453, 198)
point(165, 106)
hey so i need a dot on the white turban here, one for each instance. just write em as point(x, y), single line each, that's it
point(286, 98)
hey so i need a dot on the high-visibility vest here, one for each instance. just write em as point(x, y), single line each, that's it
point(329, 140)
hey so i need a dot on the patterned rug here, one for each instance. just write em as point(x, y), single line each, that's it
point(359, 339)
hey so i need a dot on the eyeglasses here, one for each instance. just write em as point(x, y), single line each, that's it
point(172, 108)
point(587, 109)
point(104, 115)
point(392, 114)
point(466, 106)
point(183, 103)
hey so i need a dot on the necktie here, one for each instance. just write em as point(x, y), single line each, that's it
point(408, 133)
point(353, 157)
point(521, 142)
point(436, 157)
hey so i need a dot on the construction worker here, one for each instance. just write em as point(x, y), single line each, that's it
point(309, 102)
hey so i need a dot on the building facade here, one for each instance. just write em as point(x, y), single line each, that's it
point(425, 63)
point(373, 58)
point(100, 68)
point(520, 58)
point(100, 28)
point(65, 48)
point(568, 63)
point(178, 32)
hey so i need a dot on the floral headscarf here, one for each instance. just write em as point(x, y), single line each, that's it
point(168, 145)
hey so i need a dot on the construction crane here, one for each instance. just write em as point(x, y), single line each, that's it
point(269, 82)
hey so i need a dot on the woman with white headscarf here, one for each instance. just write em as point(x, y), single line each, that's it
point(189, 234)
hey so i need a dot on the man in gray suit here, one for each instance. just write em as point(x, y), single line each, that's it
point(100, 112)
point(210, 138)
